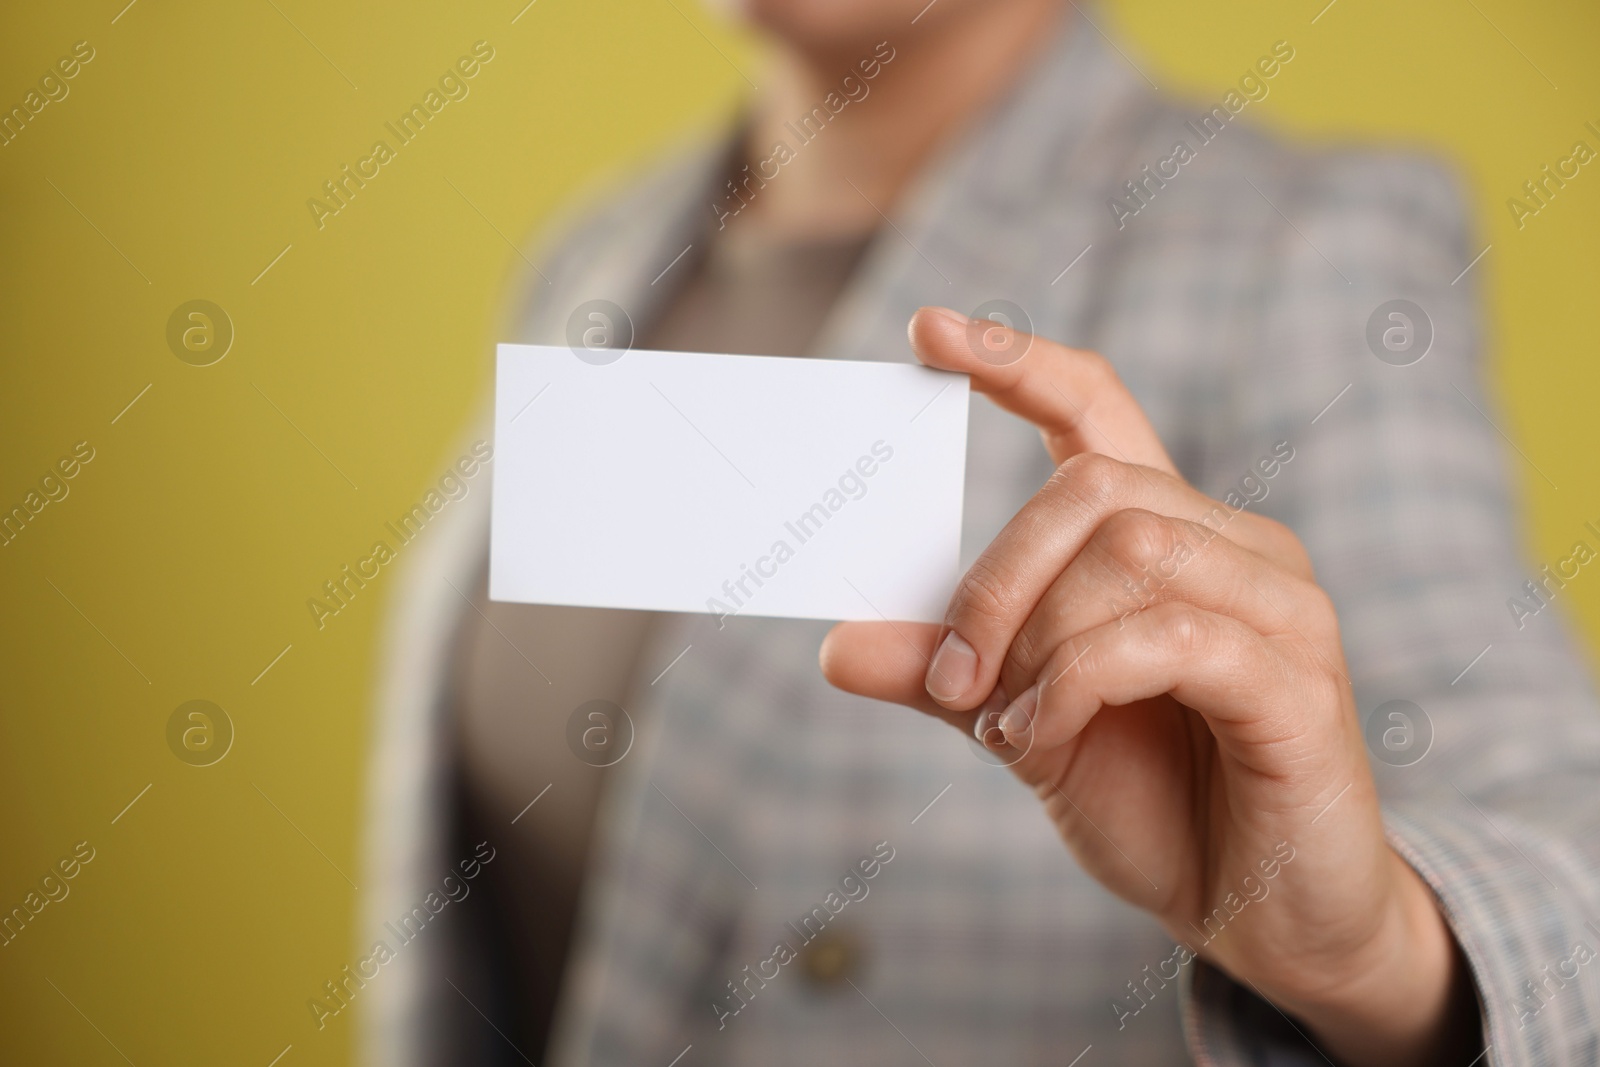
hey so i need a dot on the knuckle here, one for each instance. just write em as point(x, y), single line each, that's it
point(1328, 690)
point(1318, 603)
point(1323, 691)
point(1316, 606)
point(1029, 648)
point(1091, 480)
point(1137, 540)
point(1286, 546)
point(1296, 558)
point(1098, 368)
point(1185, 630)
point(984, 596)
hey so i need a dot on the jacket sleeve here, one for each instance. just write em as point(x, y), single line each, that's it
point(1400, 491)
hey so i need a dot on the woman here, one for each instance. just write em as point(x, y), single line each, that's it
point(1141, 643)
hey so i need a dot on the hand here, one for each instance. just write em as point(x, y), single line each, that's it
point(1168, 677)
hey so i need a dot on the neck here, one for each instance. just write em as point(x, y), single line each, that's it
point(850, 154)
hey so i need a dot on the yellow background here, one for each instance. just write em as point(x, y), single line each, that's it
point(187, 548)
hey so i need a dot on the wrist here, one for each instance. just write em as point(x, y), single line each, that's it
point(1408, 1000)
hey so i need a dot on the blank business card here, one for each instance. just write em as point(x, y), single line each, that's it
point(729, 485)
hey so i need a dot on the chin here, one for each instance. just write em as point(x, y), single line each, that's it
point(833, 25)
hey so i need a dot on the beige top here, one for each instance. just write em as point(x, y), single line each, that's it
point(520, 670)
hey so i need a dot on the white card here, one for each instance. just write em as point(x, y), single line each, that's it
point(732, 485)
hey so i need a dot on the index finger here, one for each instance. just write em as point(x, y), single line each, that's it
point(1072, 395)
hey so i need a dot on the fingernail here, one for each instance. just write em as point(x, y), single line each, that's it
point(953, 670)
point(985, 727)
point(1018, 718)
